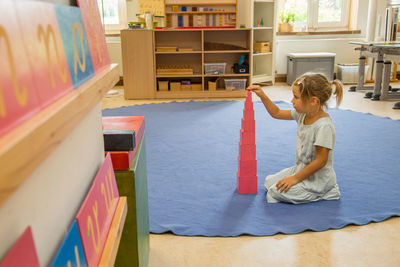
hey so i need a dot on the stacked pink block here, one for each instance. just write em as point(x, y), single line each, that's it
point(247, 172)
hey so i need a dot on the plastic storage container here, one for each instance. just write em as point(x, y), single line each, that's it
point(235, 84)
point(300, 63)
point(348, 73)
point(214, 68)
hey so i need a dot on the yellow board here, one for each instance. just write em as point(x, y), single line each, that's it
point(155, 7)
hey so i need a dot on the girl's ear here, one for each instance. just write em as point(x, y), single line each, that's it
point(314, 100)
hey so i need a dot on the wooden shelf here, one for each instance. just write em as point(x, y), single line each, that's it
point(201, 94)
point(178, 75)
point(261, 54)
point(225, 51)
point(180, 52)
point(114, 234)
point(263, 28)
point(262, 78)
point(199, 12)
point(228, 75)
point(46, 130)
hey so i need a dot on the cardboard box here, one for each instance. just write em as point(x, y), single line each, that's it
point(196, 87)
point(163, 85)
point(212, 86)
point(175, 86)
point(262, 47)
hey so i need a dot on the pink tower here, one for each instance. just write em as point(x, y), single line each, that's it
point(247, 172)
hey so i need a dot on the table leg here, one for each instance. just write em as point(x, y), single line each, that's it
point(378, 76)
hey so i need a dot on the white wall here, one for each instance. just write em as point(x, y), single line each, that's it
point(51, 196)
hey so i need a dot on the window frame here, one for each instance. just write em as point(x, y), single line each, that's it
point(312, 16)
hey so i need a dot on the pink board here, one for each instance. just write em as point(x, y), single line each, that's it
point(18, 95)
point(45, 50)
point(97, 211)
point(23, 253)
point(94, 34)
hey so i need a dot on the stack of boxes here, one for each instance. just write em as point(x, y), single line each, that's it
point(131, 177)
point(247, 172)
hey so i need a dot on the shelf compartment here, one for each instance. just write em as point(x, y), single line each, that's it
point(236, 38)
point(179, 61)
point(229, 58)
point(228, 75)
point(181, 39)
point(264, 10)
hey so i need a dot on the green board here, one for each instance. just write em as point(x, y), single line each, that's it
point(134, 245)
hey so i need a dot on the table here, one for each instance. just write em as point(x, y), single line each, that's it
point(384, 52)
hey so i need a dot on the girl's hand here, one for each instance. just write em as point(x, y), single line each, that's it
point(257, 90)
point(286, 183)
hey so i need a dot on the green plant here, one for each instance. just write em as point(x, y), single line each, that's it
point(287, 16)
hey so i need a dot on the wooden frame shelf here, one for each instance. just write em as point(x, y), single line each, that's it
point(228, 75)
point(46, 130)
point(179, 76)
point(141, 88)
point(180, 52)
point(225, 51)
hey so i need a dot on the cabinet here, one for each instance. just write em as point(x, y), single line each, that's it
point(200, 13)
point(263, 27)
point(179, 59)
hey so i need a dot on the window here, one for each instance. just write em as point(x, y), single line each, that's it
point(113, 14)
point(318, 14)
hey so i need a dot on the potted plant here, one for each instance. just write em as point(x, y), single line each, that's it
point(286, 21)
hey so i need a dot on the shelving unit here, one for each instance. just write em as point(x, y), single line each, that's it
point(263, 63)
point(201, 13)
point(207, 45)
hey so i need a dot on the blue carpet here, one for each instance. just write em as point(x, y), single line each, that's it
point(192, 151)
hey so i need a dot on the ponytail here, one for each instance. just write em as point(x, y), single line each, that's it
point(338, 91)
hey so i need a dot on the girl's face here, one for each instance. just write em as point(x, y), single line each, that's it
point(298, 104)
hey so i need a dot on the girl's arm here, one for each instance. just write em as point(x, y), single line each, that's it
point(321, 158)
point(272, 109)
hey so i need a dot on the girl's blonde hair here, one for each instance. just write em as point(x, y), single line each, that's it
point(318, 85)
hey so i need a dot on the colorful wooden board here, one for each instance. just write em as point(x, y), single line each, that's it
point(45, 50)
point(23, 253)
point(18, 95)
point(95, 215)
point(71, 251)
point(122, 159)
point(134, 246)
point(94, 33)
point(75, 43)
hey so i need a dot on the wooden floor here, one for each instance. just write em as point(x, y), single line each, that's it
point(375, 244)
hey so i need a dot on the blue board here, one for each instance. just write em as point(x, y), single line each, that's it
point(75, 43)
point(71, 250)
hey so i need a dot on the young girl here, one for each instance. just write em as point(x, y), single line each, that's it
point(313, 177)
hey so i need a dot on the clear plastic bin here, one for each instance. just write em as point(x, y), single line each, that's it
point(235, 84)
point(214, 68)
point(348, 73)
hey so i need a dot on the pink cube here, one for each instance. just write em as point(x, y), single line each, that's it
point(248, 125)
point(247, 137)
point(247, 167)
point(247, 185)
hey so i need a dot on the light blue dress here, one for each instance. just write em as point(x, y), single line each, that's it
point(320, 185)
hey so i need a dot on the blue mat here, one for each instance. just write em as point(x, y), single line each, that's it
point(192, 151)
